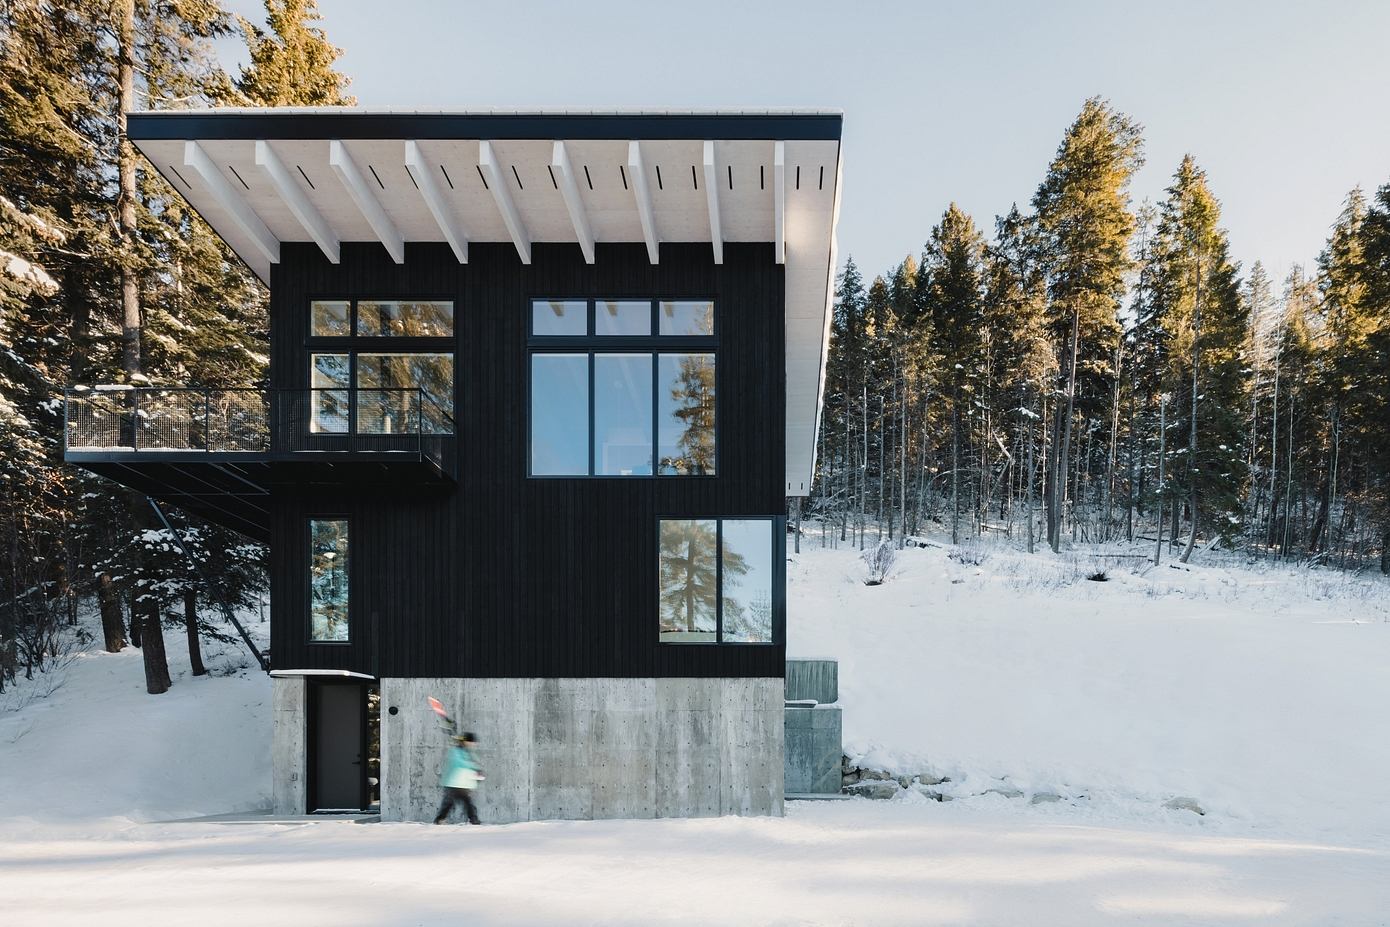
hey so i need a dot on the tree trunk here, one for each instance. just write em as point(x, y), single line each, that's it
point(112, 622)
point(1059, 489)
point(133, 610)
point(190, 621)
point(955, 468)
point(157, 679)
point(1192, 468)
point(1028, 478)
point(127, 192)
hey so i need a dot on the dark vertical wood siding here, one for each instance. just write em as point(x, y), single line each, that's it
point(501, 575)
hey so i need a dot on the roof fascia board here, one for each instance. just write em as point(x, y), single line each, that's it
point(203, 125)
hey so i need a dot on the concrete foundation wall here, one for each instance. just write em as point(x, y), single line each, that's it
point(590, 748)
point(813, 751)
point(288, 751)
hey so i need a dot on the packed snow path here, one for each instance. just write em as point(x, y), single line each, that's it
point(857, 862)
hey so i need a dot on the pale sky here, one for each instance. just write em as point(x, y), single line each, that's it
point(1285, 104)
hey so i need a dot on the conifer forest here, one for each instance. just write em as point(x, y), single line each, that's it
point(1081, 368)
point(1096, 370)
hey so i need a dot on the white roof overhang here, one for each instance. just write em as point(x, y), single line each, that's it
point(261, 177)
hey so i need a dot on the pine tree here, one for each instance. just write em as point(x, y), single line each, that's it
point(1204, 324)
point(1019, 360)
point(953, 303)
point(1085, 226)
point(292, 65)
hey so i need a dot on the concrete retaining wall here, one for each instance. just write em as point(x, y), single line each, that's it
point(813, 679)
point(590, 748)
point(813, 750)
point(288, 751)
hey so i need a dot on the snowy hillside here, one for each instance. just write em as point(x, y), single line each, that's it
point(86, 742)
point(1258, 690)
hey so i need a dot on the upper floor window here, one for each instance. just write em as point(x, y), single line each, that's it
point(381, 367)
point(622, 387)
point(374, 318)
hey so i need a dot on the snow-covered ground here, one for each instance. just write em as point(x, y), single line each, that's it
point(1261, 693)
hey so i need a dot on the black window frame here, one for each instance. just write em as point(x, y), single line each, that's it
point(308, 561)
point(779, 579)
point(651, 345)
point(353, 344)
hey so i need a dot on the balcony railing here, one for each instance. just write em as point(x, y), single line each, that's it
point(270, 423)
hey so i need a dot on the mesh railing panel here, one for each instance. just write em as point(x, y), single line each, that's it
point(238, 420)
point(169, 420)
point(99, 420)
point(257, 421)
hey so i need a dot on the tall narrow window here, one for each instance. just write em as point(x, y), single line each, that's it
point(330, 376)
point(717, 580)
point(685, 414)
point(328, 580)
point(622, 414)
point(745, 559)
point(559, 414)
point(689, 580)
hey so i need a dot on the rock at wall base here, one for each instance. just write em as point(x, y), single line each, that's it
point(875, 790)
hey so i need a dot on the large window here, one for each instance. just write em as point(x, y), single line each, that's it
point(716, 579)
point(328, 580)
point(622, 387)
point(381, 367)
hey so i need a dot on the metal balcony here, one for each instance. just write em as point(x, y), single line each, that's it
point(220, 452)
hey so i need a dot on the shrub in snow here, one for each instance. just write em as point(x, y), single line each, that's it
point(973, 555)
point(880, 561)
point(1098, 576)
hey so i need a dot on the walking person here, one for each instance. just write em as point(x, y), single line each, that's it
point(460, 777)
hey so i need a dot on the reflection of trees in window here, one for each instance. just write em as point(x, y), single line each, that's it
point(387, 401)
point(328, 579)
point(689, 579)
point(692, 397)
point(749, 622)
point(426, 319)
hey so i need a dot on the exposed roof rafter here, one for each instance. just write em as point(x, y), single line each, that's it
point(716, 235)
point(242, 214)
point(497, 185)
point(351, 178)
point(419, 167)
point(779, 201)
point(643, 195)
point(569, 189)
point(279, 176)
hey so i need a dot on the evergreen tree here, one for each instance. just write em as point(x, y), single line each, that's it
point(1085, 226)
point(292, 65)
point(1204, 326)
point(953, 303)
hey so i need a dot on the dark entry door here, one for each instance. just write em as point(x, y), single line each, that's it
point(339, 776)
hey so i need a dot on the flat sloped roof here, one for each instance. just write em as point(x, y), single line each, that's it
point(262, 176)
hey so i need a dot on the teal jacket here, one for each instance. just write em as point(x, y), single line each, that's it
point(460, 769)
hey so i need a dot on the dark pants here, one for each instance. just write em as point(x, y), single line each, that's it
point(454, 797)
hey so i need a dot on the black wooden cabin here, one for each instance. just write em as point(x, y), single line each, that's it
point(540, 386)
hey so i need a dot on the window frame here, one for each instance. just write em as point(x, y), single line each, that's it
point(353, 344)
point(309, 520)
point(779, 580)
point(651, 345)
